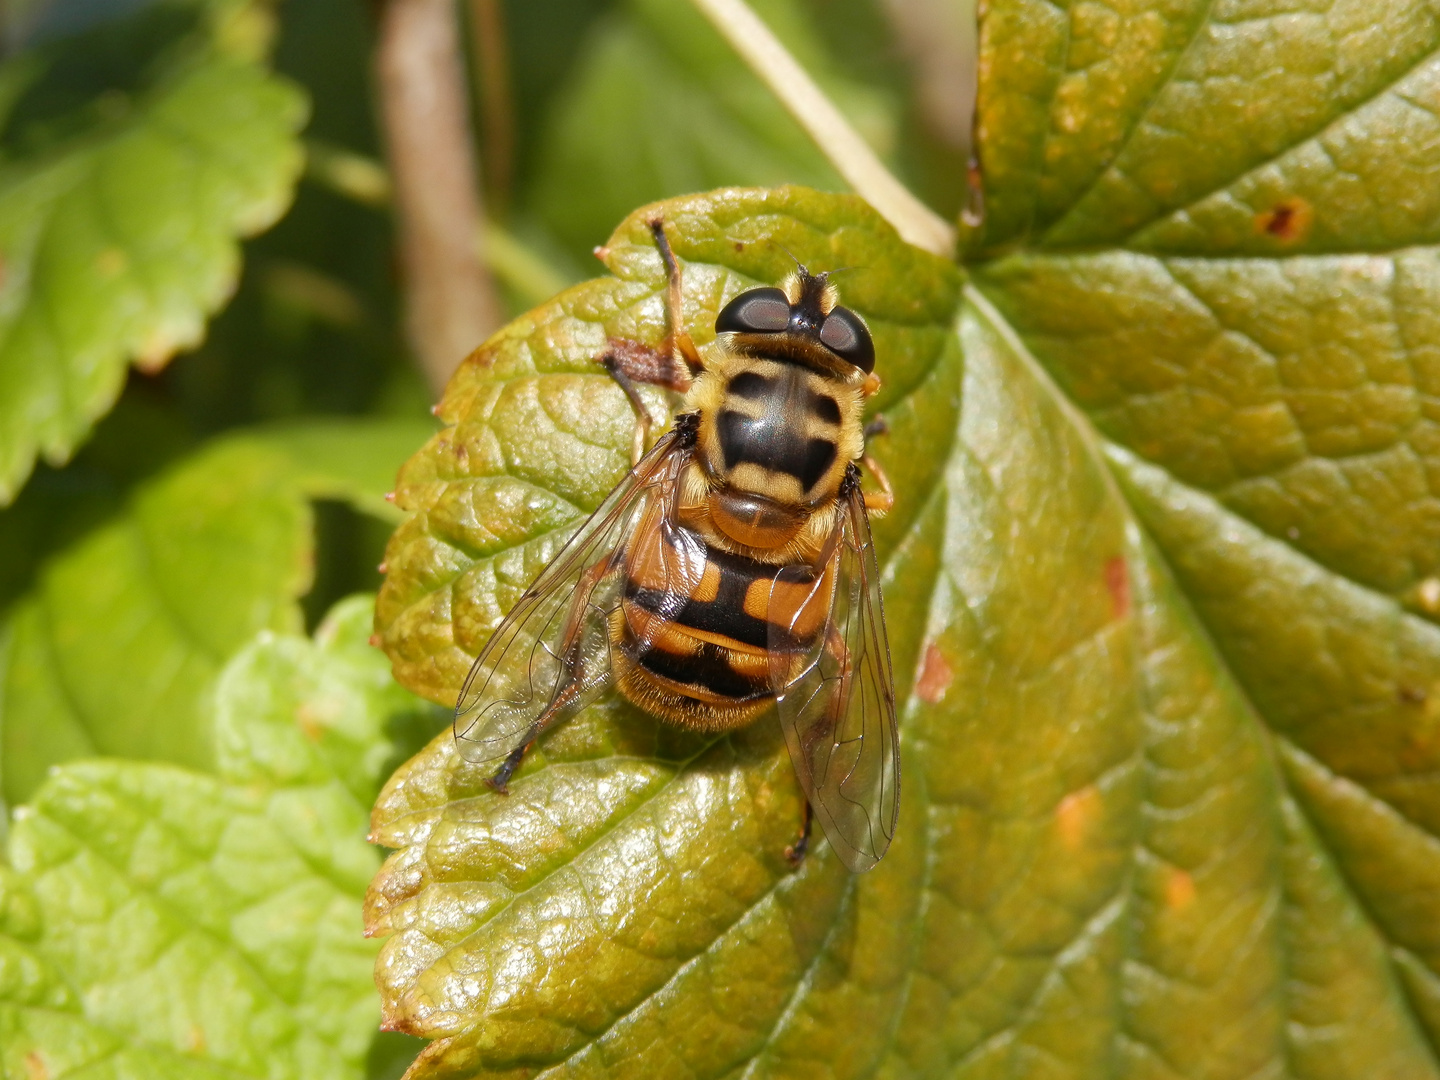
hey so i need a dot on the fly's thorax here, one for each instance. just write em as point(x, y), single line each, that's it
point(774, 440)
point(696, 510)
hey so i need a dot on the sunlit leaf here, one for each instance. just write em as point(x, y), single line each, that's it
point(539, 435)
point(1162, 588)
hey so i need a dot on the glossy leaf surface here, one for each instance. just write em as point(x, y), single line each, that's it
point(1161, 587)
point(120, 214)
point(160, 922)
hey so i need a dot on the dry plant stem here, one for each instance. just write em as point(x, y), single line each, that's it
point(450, 300)
point(837, 140)
point(497, 110)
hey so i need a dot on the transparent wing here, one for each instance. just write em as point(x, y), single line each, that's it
point(549, 657)
point(837, 697)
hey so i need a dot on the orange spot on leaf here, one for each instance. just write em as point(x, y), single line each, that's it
point(1117, 580)
point(1288, 220)
point(35, 1067)
point(1075, 815)
point(935, 675)
point(1179, 889)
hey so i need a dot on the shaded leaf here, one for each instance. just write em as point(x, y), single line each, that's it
point(119, 218)
point(160, 922)
point(117, 648)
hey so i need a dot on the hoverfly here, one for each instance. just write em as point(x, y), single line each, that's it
point(731, 570)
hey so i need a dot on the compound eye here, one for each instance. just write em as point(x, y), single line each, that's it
point(846, 335)
point(759, 311)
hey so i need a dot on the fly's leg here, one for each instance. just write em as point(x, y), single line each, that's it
point(630, 363)
point(795, 853)
point(877, 502)
point(574, 664)
point(673, 365)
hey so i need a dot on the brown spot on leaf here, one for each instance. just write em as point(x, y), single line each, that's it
point(1117, 580)
point(1075, 814)
point(1411, 695)
point(1179, 889)
point(739, 245)
point(1288, 220)
point(374, 641)
point(35, 1067)
point(935, 675)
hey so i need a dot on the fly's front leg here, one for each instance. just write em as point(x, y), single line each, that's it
point(677, 342)
point(877, 502)
point(574, 665)
point(673, 365)
point(630, 363)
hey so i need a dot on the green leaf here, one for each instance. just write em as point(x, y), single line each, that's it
point(707, 120)
point(116, 650)
point(156, 921)
point(119, 216)
point(1162, 589)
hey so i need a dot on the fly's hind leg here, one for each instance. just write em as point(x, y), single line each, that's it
point(571, 648)
point(835, 645)
point(795, 853)
point(673, 365)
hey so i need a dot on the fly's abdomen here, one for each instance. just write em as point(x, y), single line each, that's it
point(703, 657)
